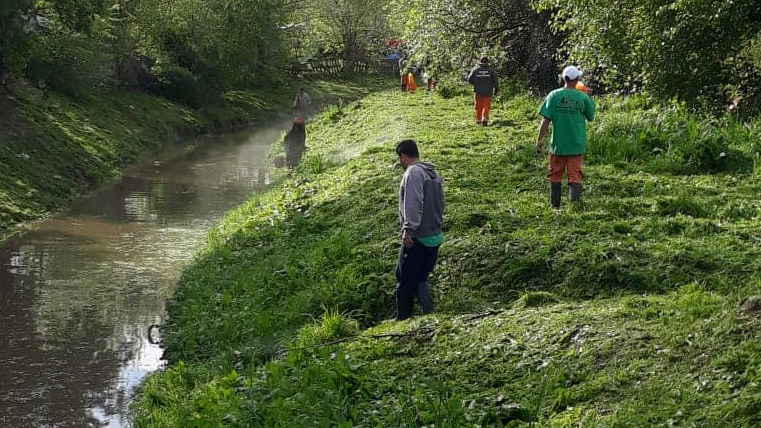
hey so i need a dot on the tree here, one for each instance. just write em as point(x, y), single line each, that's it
point(681, 49)
point(456, 32)
point(357, 29)
point(76, 15)
point(14, 40)
point(64, 53)
point(222, 43)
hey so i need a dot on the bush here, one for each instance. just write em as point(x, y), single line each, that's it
point(66, 62)
point(670, 141)
point(451, 86)
point(652, 45)
point(180, 85)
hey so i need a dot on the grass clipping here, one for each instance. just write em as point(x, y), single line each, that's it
point(623, 310)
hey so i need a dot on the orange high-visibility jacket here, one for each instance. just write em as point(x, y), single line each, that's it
point(411, 85)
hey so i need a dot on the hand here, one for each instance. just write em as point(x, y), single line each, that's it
point(406, 239)
point(538, 147)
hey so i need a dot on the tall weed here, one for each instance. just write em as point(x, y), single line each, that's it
point(671, 141)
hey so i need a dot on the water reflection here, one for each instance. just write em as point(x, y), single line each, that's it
point(78, 294)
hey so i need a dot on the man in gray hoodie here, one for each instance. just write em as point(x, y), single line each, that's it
point(421, 207)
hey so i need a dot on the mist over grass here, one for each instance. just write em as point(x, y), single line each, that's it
point(622, 310)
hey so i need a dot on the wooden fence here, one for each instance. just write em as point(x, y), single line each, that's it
point(338, 66)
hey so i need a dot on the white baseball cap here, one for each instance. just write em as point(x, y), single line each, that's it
point(571, 73)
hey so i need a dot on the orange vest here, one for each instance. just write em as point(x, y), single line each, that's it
point(583, 88)
point(411, 85)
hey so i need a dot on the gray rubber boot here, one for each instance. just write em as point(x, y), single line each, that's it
point(574, 191)
point(555, 193)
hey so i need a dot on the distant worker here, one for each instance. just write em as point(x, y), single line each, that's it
point(295, 143)
point(485, 86)
point(402, 72)
point(568, 109)
point(430, 80)
point(583, 88)
point(392, 61)
point(302, 102)
point(421, 207)
point(411, 84)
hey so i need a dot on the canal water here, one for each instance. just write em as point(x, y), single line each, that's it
point(79, 292)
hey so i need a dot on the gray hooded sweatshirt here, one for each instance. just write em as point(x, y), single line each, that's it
point(421, 200)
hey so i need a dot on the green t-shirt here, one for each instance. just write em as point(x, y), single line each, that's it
point(568, 109)
point(433, 240)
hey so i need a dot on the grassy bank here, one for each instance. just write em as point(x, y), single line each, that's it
point(53, 148)
point(623, 310)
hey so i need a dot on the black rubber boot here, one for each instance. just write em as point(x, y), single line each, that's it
point(555, 193)
point(574, 191)
point(424, 297)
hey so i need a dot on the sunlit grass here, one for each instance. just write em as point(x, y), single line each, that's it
point(618, 311)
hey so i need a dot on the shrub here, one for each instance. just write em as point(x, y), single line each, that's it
point(179, 84)
point(670, 141)
point(451, 86)
point(69, 63)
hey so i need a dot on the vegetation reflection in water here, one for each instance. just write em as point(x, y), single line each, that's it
point(80, 291)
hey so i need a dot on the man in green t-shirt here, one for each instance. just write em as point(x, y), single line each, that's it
point(568, 109)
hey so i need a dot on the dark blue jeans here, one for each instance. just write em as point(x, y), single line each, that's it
point(412, 270)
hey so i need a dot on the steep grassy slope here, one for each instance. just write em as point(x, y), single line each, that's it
point(623, 310)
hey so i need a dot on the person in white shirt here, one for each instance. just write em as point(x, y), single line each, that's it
point(302, 102)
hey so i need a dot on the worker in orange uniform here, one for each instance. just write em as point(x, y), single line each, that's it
point(485, 86)
point(583, 88)
point(411, 84)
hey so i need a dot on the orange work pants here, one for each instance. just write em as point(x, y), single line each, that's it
point(560, 164)
point(483, 103)
point(411, 84)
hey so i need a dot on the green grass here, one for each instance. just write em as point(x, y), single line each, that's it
point(53, 148)
point(620, 311)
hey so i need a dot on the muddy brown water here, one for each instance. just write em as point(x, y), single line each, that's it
point(79, 292)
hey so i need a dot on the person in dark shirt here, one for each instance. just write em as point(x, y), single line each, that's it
point(485, 86)
point(295, 143)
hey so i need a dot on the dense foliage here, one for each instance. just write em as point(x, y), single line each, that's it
point(190, 51)
point(695, 50)
point(13, 40)
point(352, 29)
point(216, 45)
point(455, 33)
point(702, 52)
point(186, 50)
point(705, 53)
point(49, 42)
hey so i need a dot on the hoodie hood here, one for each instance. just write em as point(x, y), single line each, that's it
point(428, 167)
